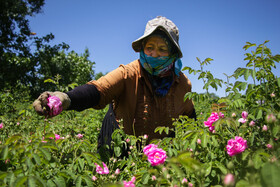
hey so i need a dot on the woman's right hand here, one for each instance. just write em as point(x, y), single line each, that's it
point(42, 103)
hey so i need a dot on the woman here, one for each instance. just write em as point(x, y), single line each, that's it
point(144, 94)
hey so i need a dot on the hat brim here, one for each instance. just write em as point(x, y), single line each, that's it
point(137, 44)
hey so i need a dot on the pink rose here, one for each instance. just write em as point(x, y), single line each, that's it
point(209, 123)
point(157, 156)
point(55, 105)
point(199, 141)
point(129, 183)
point(117, 171)
point(244, 114)
point(269, 146)
point(94, 178)
point(154, 178)
point(101, 170)
point(1, 125)
point(264, 128)
point(242, 120)
point(252, 123)
point(184, 181)
point(233, 115)
point(80, 136)
point(236, 146)
point(145, 136)
point(229, 180)
point(148, 148)
point(270, 118)
point(57, 137)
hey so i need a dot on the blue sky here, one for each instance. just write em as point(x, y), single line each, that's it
point(208, 28)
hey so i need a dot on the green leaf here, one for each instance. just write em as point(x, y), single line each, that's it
point(31, 182)
point(59, 181)
point(278, 81)
point(67, 174)
point(276, 130)
point(242, 183)
point(3, 175)
point(246, 74)
point(88, 180)
point(90, 157)
point(4, 152)
point(145, 178)
point(248, 45)
point(198, 59)
point(45, 153)
point(270, 175)
point(49, 80)
point(207, 168)
point(221, 167)
point(259, 114)
point(38, 181)
point(50, 183)
point(49, 146)
point(257, 161)
point(215, 142)
point(13, 139)
point(78, 181)
point(188, 162)
point(245, 154)
point(117, 151)
point(81, 163)
point(166, 130)
point(20, 181)
point(204, 140)
point(37, 158)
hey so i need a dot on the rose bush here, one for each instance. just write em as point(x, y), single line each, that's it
point(217, 149)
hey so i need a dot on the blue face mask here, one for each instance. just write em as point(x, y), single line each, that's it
point(159, 66)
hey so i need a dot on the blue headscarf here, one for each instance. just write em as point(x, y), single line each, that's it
point(160, 66)
point(160, 71)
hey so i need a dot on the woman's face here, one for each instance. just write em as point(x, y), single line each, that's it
point(156, 47)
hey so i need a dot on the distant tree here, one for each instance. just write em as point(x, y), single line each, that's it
point(28, 60)
point(14, 25)
point(70, 67)
point(15, 35)
point(213, 96)
point(98, 75)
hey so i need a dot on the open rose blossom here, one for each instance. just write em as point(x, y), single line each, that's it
point(129, 183)
point(236, 146)
point(157, 156)
point(148, 148)
point(55, 105)
point(213, 118)
point(101, 170)
point(57, 136)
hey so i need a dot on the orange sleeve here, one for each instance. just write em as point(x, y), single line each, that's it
point(110, 86)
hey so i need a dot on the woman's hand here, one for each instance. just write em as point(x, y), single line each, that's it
point(51, 103)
